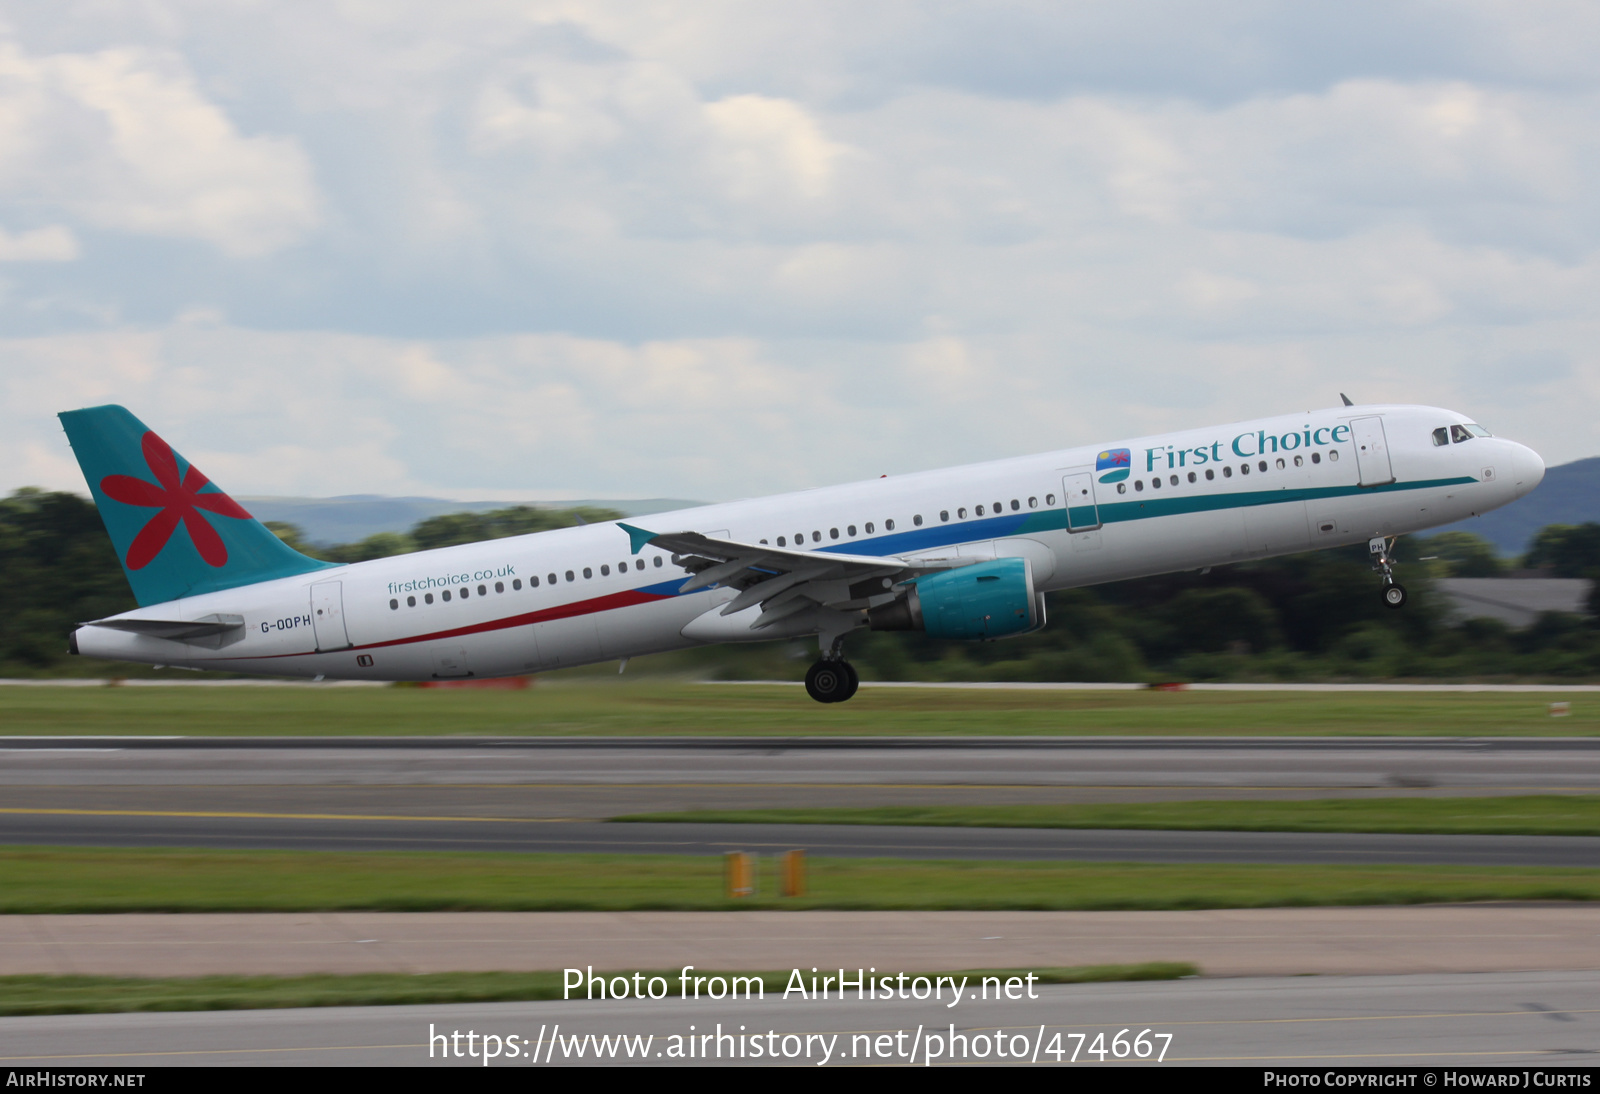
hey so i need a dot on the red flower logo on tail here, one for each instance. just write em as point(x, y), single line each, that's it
point(177, 500)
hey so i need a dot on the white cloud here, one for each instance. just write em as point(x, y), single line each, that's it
point(52, 244)
point(124, 140)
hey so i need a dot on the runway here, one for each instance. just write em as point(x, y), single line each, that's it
point(1539, 1021)
point(521, 794)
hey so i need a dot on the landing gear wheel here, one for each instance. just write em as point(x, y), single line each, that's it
point(830, 681)
point(1394, 596)
point(855, 680)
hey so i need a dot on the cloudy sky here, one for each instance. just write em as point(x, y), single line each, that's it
point(546, 249)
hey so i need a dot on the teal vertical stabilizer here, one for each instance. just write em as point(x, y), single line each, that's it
point(176, 533)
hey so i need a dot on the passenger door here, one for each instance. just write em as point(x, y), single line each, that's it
point(327, 616)
point(1372, 451)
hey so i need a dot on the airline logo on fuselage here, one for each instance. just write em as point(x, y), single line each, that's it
point(1116, 462)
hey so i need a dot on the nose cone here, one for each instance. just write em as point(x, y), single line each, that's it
point(1527, 469)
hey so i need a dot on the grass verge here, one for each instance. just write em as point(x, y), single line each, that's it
point(40, 880)
point(1542, 815)
point(648, 707)
point(115, 994)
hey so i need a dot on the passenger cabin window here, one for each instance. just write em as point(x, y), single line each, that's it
point(1122, 488)
point(1049, 499)
point(917, 520)
point(1015, 505)
point(1033, 503)
point(571, 576)
point(1191, 476)
point(1299, 461)
point(1244, 469)
point(411, 602)
point(516, 583)
point(1155, 483)
point(500, 586)
point(888, 525)
point(1333, 456)
point(850, 530)
point(605, 571)
point(944, 516)
point(1138, 486)
point(427, 598)
point(833, 533)
point(870, 528)
point(1227, 472)
point(1441, 436)
point(638, 564)
point(1262, 466)
point(961, 514)
point(394, 605)
point(658, 560)
point(816, 537)
point(1210, 474)
point(1316, 457)
point(979, 510)
point(783, 541)
point(587, 573)
point(445, 595)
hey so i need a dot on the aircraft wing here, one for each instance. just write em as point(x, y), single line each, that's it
point(784, 582)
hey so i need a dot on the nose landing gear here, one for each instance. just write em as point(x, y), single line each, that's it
point(1393, 593)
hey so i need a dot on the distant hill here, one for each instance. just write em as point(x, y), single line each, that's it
point(354, 517)
point(1569, 494)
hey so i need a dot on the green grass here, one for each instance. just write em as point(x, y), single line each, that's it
point(109, 994)
point(584, 707)
point(1542, 815)
point(37, 880)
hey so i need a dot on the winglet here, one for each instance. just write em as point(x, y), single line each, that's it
point(637, 537)
point(1346, 399)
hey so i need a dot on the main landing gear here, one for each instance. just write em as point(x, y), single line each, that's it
point(1394, 594)
point(831, 681)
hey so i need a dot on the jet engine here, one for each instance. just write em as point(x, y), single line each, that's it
point(981, 602)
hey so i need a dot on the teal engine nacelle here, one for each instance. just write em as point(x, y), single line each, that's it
point(984, 601)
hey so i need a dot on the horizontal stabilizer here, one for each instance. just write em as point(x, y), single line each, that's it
point(212, 631)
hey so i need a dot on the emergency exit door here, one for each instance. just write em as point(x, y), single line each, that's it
point(1083, 513)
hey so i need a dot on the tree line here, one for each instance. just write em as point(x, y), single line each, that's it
point(1301, 617)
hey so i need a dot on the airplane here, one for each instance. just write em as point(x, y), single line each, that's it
point(962, 553)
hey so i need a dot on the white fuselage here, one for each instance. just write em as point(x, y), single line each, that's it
point(579, 595)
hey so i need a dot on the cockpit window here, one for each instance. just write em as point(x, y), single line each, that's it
point(1458, 433)
point(1478, 430)
point(1441, 436)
